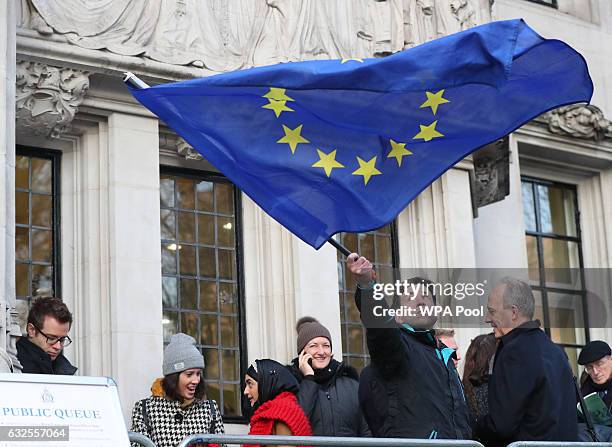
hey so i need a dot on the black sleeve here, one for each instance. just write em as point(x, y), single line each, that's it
point(383, 335)
point(511, 385)
point(308, 396)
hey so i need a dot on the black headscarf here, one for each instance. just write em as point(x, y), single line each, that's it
point(272, 379)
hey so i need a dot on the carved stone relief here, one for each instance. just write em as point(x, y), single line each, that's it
point(188, 152)
point(47, 98)
point(491, 173)
point(221, 35)
point(579, 121)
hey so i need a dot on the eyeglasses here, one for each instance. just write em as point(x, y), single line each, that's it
point(51, 340)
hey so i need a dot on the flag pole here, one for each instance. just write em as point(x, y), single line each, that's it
point(134, 81)
point(341, 248)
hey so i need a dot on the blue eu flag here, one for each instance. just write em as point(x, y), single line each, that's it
point(345, 145)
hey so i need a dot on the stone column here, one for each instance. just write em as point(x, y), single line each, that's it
point(134, 255)
point(7, 176)
point(285, 279)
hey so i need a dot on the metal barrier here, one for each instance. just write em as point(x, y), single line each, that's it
point(140, 439)
point(559, 444)
point(323, 440)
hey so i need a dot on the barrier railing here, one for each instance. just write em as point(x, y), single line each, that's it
point(323, 440)
point(140, 439)
point(559, 444)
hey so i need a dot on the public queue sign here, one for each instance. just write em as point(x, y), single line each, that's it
point(47, 410)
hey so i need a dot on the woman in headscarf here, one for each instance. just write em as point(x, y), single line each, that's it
point(270, 401)
point(328, 388)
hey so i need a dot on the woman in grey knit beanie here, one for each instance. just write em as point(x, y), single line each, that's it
point(177, 406)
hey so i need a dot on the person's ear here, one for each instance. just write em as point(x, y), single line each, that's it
point(31, 330)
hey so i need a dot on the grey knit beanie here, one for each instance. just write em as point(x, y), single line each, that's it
point(181, 354)
point(308, 328)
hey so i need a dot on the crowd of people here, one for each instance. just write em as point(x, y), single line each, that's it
point(516, 383)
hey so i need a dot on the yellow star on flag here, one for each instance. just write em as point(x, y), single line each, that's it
point(367, 169)
point(398, 151)
point(428, 133)
point(327, 162)
point(348, 59)
point(277, 106)
point(278, 94)
point(434, 100)
point(293, 137)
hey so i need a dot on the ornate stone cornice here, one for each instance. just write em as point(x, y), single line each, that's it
point(188, 152)
point(47, 98)
point(579, 121)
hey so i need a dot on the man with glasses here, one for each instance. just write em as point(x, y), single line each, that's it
point(49, 322)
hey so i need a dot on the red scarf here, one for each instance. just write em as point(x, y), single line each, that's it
point(284, 408)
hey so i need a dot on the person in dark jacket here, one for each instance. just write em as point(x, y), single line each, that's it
point(532, 395)
point(41, 352)
point(410, 389)
point(328, 388)
point(596, 357)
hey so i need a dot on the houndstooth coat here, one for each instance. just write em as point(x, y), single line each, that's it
point(168, 423)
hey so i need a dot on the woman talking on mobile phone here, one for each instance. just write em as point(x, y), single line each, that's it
point(328, 388)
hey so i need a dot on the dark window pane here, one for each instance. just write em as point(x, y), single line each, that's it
point(383, 250)
point(209, 330)
point(22, 244)
point(188, 294)
point(572, 357)
point(211, 357)
point(531, 243)
point(230, 365)
point(166, 191)
point(169, 258)
point(529, 214)
point(168, 225)
point(206, 229)
point(231, 398)
point(229, 332)
point(42, 245)
point(169, 292)
point(187, 261)
point(190, 324)
point(42, 210)
point(228, 297)
point(186, 227)
point(42, 280)
point(350, 242)
point(212, 388)
point(22, 208)
point(22, 279)
point(225, 231)
point(559, 257)
point(355, 339)
point(42, 175)
point(227, 264)
point(185, 193)
point(539, 306)
point(208, 296)
point(205, 196)
point(170, 325)
point(367, 246)
point(208, 267)
point(557, 213)
point(566, 316)
point(22, 172)
point(224, 197)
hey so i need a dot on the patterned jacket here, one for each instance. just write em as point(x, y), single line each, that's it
point(168, 423)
